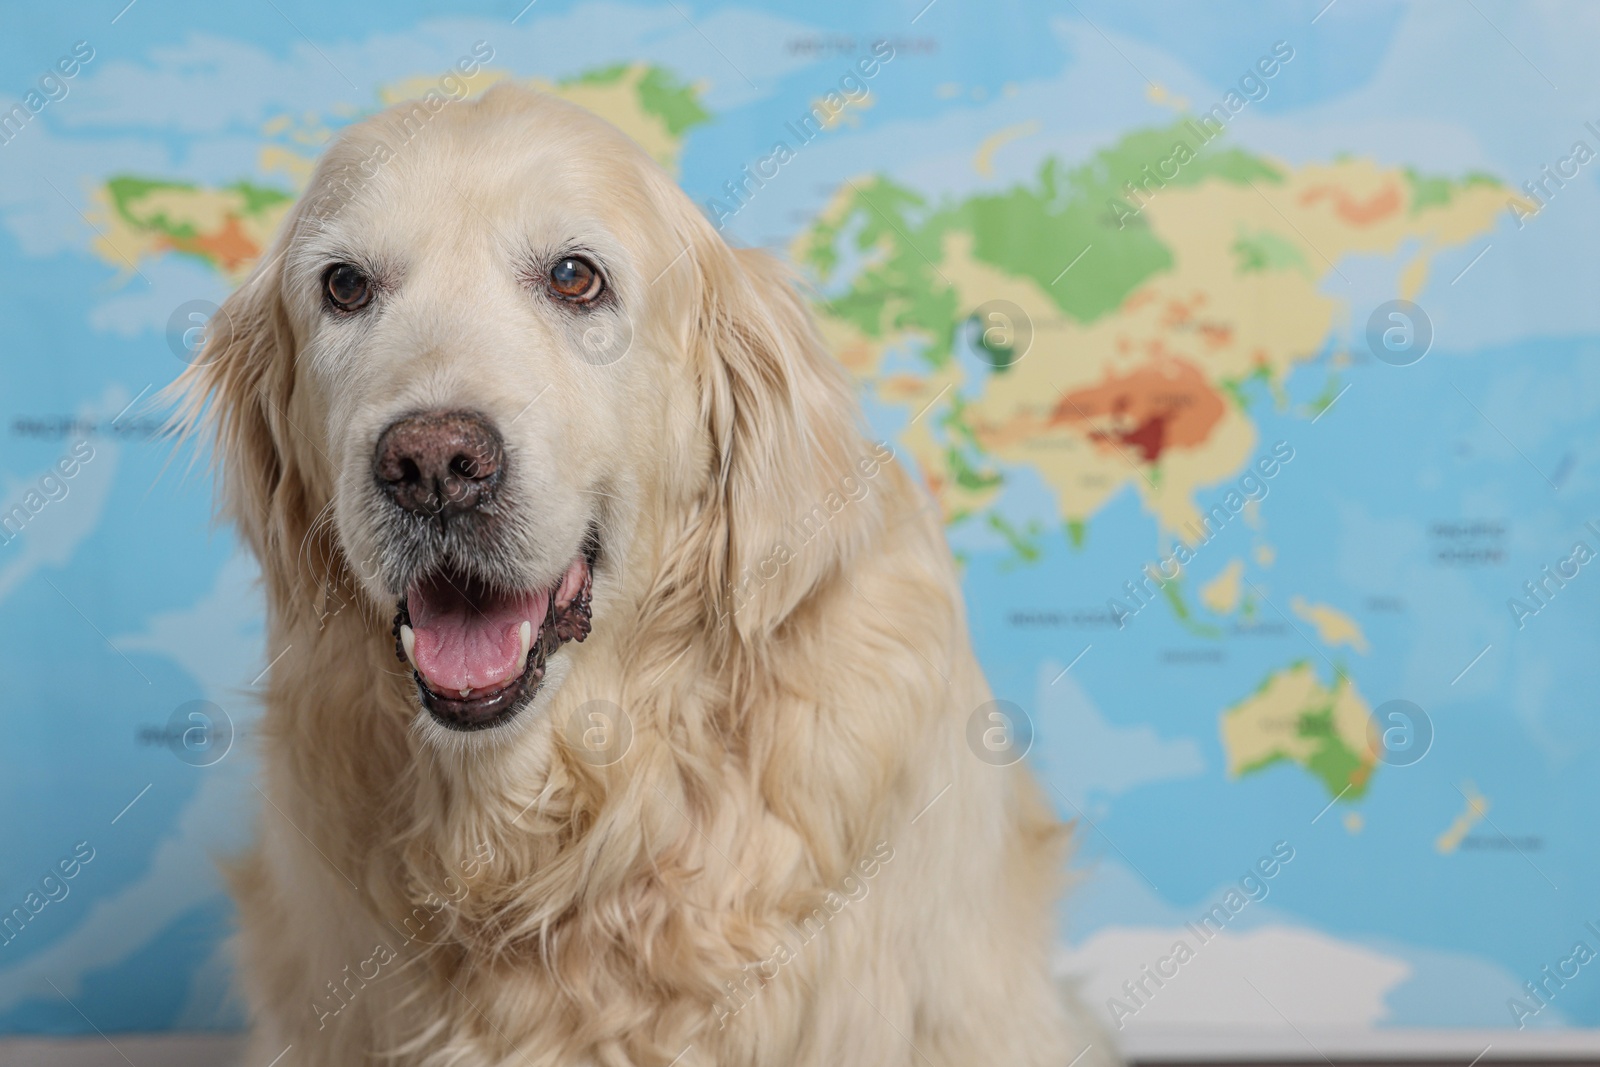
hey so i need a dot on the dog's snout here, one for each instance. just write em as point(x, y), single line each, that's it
point(439, 463)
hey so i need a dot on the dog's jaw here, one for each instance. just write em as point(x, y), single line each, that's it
point(564, 614)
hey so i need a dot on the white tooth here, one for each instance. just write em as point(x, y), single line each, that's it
point(465, 693)
point(408, 641)
point(524, 643)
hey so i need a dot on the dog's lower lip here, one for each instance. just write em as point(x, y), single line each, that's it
point(482, 710)
point(480, 694)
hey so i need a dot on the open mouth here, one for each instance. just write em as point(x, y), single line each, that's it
point(478, 653)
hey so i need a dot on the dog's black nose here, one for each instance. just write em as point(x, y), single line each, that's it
point(439, 463)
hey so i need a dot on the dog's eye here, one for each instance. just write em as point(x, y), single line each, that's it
point(576, 279)
point(348, 289)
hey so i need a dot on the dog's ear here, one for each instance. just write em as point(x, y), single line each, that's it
point(236, 396)
point(794, 485)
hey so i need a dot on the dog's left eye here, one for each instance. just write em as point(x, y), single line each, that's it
point(575, 279)
point(347, 287)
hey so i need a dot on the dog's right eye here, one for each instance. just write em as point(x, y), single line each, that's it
point(576, 280)
point(348, 289)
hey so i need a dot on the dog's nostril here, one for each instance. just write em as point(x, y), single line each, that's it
point(439, 463)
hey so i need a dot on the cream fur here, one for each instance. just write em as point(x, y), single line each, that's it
point(794, 703)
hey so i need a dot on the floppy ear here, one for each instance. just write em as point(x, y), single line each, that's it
point(794, 490)
point(237, 396)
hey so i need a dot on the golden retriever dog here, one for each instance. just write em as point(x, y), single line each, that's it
point(622, 703)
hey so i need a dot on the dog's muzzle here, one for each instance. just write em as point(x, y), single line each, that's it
point(478, 650)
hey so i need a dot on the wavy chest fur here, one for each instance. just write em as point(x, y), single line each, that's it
point(571, 902)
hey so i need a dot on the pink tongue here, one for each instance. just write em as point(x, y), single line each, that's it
point(470, 642)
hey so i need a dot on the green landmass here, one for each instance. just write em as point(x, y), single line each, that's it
point(1024, 543)
point(999, 358)
point(1033, 230)
point(1343, 771)
point(126, 191)
point(1333, 761)
point(954, 421)
point(1431, 191)
point(1235, 387)
point(1324, 400)
point(674, 102)
point(1265, 251)
point(600, 76)
point(677, 103)
point(967, 476)
point(1173, 591)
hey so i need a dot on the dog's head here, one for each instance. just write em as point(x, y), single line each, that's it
point(499, 374)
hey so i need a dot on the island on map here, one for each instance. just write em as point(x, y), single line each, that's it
point(1476, 808)
point(1293, 717)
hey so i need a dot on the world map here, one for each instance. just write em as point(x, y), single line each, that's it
point(1255, 385)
